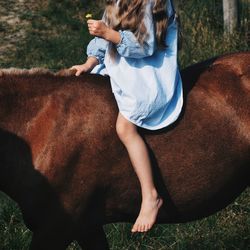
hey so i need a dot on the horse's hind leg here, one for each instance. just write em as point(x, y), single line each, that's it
point(94, 239)
point(47, 241)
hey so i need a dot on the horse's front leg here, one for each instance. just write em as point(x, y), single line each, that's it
point(94, 239)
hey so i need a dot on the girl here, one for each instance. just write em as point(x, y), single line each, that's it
point(136, 45)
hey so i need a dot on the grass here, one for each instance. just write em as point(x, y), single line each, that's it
point(215, 232)
point(13, 233)
point(56, 37)
point(203, 35)
point(227, 229)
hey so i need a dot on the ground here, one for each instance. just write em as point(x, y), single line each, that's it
point(14, 23)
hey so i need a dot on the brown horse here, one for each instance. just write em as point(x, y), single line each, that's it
point(61, 160)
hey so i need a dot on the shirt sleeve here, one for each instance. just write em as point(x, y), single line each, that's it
point(97, 47)
point(129, 45)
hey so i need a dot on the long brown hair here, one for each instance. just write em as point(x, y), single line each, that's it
point(129, 14)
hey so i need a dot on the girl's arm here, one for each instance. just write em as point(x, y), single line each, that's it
point(125, 40)
point(95, 51)
point(86, 67)
point(129, 45)
point(97, 48)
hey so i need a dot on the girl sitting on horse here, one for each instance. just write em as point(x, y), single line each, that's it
point(136, 45)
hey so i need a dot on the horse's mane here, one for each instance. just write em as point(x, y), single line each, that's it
point(35, 71)
point(40, 81)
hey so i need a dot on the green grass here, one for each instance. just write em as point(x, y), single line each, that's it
point(57, 38)
point(13, 233)
point(227, 229)
point(203, 35)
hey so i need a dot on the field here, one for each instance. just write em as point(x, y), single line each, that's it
point(53, 34)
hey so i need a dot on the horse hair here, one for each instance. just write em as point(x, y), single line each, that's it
point(35, 71)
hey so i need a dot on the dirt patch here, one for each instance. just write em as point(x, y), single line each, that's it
point(15, 19)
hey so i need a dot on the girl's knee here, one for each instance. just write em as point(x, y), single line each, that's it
point(121, 129)
point(124, 128)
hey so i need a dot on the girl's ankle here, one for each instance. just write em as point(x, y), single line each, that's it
point(153, 194)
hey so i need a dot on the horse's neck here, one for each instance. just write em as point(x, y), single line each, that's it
point(25, 103)
point(22, 98)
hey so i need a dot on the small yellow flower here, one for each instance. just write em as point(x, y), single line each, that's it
point(88, 16)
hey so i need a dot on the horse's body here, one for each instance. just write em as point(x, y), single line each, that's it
point(61, 160)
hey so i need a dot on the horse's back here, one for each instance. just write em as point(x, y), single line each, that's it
point(201, 163)
point(69, 124)
point(205, 157)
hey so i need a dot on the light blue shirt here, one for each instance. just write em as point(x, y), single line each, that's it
point(145, 81)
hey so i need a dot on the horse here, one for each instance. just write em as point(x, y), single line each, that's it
point(63, 163)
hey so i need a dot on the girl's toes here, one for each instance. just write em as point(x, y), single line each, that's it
point(134, 228)
point(139, 228)
point(142, 228)
point(147, 227)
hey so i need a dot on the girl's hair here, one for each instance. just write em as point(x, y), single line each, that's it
point(130, 14)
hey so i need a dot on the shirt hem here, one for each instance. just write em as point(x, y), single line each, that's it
point(162, 125)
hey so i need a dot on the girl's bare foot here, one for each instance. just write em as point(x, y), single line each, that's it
point(148, 214)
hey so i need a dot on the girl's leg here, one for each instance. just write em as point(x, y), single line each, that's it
point(139, 157)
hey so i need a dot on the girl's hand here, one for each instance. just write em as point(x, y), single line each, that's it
point(80, 69)
point(97, 28)
point(86, 67)
point(100, 29)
